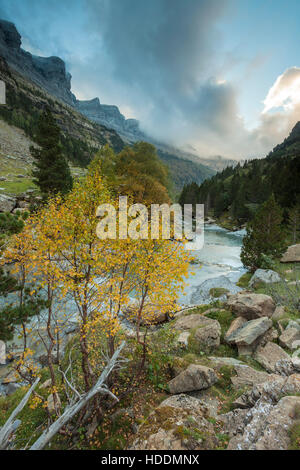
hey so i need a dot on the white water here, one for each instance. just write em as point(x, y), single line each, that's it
point(220, 256)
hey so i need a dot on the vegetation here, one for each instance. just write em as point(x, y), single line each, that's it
point(264, 238)
point(51, 170)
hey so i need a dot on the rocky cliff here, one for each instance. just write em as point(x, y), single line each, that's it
point(51, 74)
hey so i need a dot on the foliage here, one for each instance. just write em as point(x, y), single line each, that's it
point(51, 171)
point(264, 237)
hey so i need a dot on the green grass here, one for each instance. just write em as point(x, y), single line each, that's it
point(244, 280)
point(217, 292)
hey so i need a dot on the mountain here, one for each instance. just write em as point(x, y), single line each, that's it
point(33, 82)
point(236, 192)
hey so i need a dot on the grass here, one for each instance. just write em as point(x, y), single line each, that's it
point(217, 292)
point(295, 431)
point(244, 280)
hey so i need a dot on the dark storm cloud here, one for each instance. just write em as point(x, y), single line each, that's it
point(165, 51)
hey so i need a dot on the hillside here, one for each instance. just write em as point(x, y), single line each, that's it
point(237, 192)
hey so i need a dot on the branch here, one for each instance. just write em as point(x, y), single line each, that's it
point(71, 411)
point(11, 424)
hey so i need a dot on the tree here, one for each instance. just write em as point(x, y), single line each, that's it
point(264, 237)
point(51, 171)
point(294, 221)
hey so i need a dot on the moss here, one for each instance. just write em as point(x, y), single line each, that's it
point(294, 431)
point(244, 280)
point(217, 292)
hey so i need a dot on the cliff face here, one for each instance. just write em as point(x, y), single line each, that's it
point(51, 74)
point(48, 72)
point(110, 116)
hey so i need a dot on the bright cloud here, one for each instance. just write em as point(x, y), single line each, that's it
point(285, 92)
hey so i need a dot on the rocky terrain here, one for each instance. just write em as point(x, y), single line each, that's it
point(234, 380)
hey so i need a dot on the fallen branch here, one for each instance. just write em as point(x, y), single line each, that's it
point(71, 411)
point(11, 424)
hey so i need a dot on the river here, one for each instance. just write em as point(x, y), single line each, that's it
point(219, 265)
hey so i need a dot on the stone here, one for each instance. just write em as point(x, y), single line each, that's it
point(288, 337)
point(266, 427)
point(207, 332)
point(251, 306)
point(247, 376)
point(2, 353)
point(292, 254)
point(246, 336)
point(264, 276)
point(208, 335)
point(7, 203)
point(195, 377)
point(50, 403)
point(279, 313)
point(178, 423)
point(296, 353)
point(202, 294)
point(183, 339)
point(235, 325)
point(268, 355)
point(151, 314)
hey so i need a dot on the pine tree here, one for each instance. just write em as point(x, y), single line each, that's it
point(264, 237)
point(294, 221)
point(51, 173)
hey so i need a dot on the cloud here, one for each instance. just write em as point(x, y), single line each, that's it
point(165, 63)
point(285, 92)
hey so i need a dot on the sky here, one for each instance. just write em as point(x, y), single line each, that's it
point(217, 77)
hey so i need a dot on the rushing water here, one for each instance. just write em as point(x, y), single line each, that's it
point(219, 263)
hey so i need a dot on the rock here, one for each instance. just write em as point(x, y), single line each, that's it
point(183, 339)
point(235, 325)
point(189, 322)
point(7, 203)
point(202, 293)
point(195, 377)
point(247, 376)
point(266, 427)
point(152, 314)
point(207, 331)
point(11, 388)
point(251, 306)
point(178, 423)
point(43, 359)
point(2, 353)
point(288, 367)
point(289, 337)
point(268, 355)
point(294, 324)
point(225, 361)
point(50, 403)
point(11, 377)
point(246, 336)
point(265, 276)
point(208, 335)
point(279, 313)
point(296, 353)
point(292, 255)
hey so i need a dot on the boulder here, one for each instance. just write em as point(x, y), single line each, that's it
point(265, 426)
point(246, 336)
point(207, 332)
point(152, 314)
point(178, 423)
point(7, 203)
point(247, 376)
point(264, 276)
point(208, 335)
point(195, 377)
point(2, 353)
point(202, 294)
point(268, 355)
point(251, 306)
point(235, 325)
point(289, 337)
point(279, 313)
point(292, 254)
